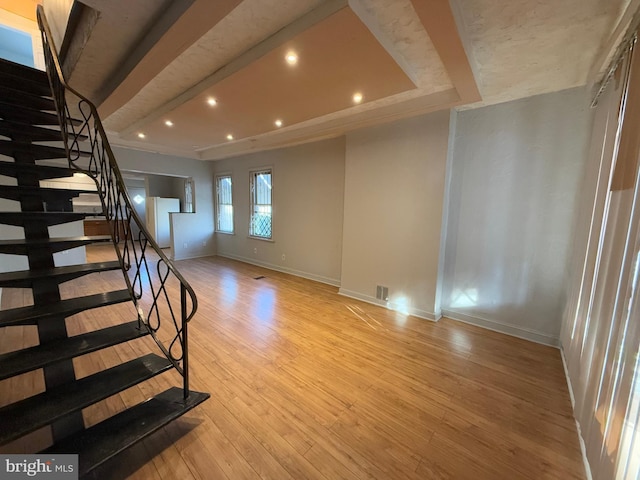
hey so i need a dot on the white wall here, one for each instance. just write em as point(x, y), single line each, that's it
point(164, 186)
point(394, 190)
point(308, 191)
point(195, 230)
point(515, 174)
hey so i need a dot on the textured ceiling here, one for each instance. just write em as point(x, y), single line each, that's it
point(457, 53)
point(523, 48)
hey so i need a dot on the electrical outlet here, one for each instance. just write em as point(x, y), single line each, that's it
point(284, 257)
point(185, 245)
point(204, 243)
point(255, 250)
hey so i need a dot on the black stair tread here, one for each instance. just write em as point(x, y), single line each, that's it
point(7, 67)
point(15, 192)
point(38, 152)
point(24, 278)
point(105, 440)
point(32, 116)
point(20, 418)
point(22, 246)
point(37, 85)
point(26, 360)
point(44, 172)
point(16, 97)
point(36, 134)
point(27, 115)
point(19, 219)
point(33, 313)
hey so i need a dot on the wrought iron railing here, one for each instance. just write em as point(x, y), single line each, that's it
point(160, 293)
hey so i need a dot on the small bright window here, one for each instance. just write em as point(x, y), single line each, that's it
point(224, 204)
point(261, 208)
point(189, 196)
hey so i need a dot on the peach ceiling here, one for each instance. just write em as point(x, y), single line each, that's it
point(406, 56)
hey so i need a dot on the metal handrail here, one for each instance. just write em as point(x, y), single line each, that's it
point(153, 289)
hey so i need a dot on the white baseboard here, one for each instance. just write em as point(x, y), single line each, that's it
point(298, 273)
point(191, 257)
point(514, 331)
point(583, 447)
point(415, 312)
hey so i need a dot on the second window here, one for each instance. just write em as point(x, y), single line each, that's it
point(261, 208)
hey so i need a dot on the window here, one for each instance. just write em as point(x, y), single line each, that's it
point(224, 204)
point(261, 208)
point(189, 197)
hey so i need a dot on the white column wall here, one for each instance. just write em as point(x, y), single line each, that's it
point(515, 176)
point(394, 190)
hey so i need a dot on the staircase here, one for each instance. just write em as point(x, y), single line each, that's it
point(35, 130)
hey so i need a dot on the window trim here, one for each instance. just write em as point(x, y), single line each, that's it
point(252, 173)
point(217, 177)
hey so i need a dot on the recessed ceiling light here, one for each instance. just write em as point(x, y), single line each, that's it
point(141, 135)
point(357, 97)
point(212, 101)
point(278, 123)
point(291, 58)
point(229, 137)
point(168, 123)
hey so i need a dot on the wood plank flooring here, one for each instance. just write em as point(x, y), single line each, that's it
point(306, 384)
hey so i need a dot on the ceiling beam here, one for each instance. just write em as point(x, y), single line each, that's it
point(279, 38)
point(387, 43)
point(438, 20)
point(608, 49)
point(177, 28)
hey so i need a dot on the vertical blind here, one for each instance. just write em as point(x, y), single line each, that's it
point(601, 332)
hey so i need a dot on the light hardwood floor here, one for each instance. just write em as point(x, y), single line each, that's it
point(306, 384)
